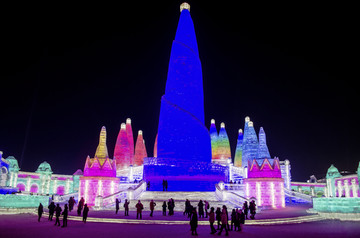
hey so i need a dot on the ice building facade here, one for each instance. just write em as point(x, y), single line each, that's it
point(42, 181)
point(99, 177)
point(264, 183)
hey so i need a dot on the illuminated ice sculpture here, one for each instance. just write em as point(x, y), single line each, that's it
point(238, 151)
point(222, 147)
point(99, 174)
point(183, 142)
point(264, 183)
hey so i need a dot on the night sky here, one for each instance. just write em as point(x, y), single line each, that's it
point(70, 69)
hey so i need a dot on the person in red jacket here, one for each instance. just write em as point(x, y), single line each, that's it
point(152, 206)
point(139, 208)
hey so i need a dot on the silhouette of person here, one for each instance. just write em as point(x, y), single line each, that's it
point(71, 203)
point(201, 209)
point(212, 220)
point(57, 214)
point(218, 217)
point(65, 215)
point(80, 206)
point(51, 208)
point(126, 206)
point(207, 206)
point(252, 208)
point(166, 185)
point(85, 213)
point(139, 208)
point(152, 207)
point(194, 222)
point(117, 202)
point(40, 211)
point(224, 222)
point(233, 220)
point(164, 208)
point(246, 209)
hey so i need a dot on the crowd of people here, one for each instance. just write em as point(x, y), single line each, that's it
point(57, 210)
point(220, 215)
point(237, 218)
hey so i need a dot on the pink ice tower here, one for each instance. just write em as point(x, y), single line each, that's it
point(130, 136)
point(140, 150)
point(122, 153)
point(264, 183)
point(99, 174)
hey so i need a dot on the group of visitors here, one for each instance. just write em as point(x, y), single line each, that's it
point(169, 205)
point(57, 210)
point(237, 219)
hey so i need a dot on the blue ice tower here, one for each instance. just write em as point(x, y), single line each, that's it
point(182, 133)
point(250, 142)
point(183, 142)
point(263, 151)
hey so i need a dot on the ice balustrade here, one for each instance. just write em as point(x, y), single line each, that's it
point(233, 186)
point(223, 194)
point(298, 195)
point(66, 197)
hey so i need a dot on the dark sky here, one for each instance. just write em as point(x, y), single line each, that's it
point(67, 70)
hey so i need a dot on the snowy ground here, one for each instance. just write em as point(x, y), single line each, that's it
point(105, 224)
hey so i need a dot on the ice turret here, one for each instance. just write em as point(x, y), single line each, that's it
point(130, 137)
point(223, 150)
point(182, 133)
point(238, 150)
point(101, 164)
point(263, 151)
point(250, 142)
point(122, 151)
point(140, 150)
point(214, 137)
point(101, 150)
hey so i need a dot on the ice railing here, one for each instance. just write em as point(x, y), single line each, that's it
point(66, 197)
point(225, 195)
point(302, 196)
point(234, 186)
point(130, 194)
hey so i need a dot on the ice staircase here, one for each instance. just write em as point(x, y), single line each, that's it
point(180, 198)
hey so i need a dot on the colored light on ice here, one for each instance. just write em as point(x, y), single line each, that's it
point(258, 193)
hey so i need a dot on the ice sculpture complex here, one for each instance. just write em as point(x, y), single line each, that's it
point(183, 142)
point(99, 174)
